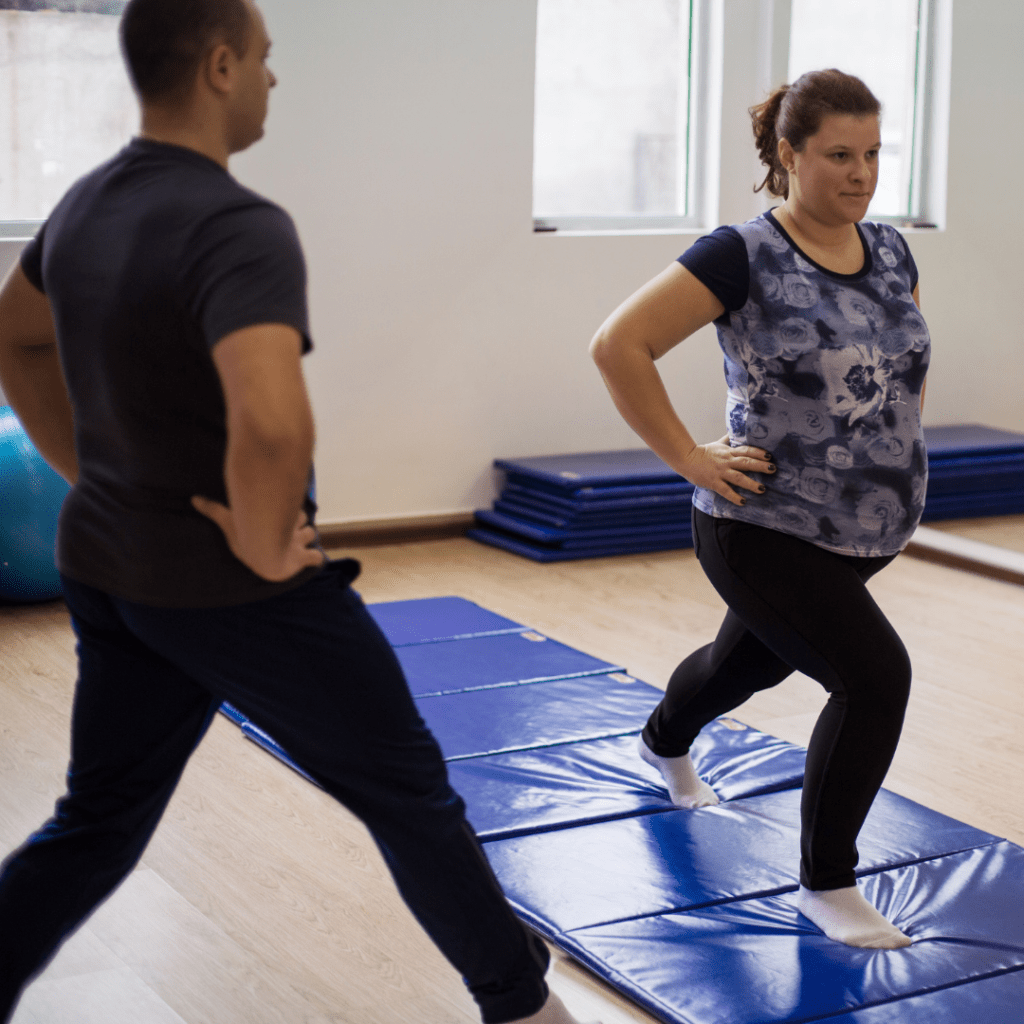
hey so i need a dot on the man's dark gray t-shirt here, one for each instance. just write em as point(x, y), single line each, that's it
point(147, 263)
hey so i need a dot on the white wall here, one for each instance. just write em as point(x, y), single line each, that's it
point(448, 333)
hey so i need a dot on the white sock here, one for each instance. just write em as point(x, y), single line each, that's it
point(685, 786)
point(554, 1011)
point(844, 915)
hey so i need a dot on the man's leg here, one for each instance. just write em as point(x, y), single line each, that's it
point(136, 719)
point(312, 669)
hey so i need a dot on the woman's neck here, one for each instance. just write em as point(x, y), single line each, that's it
point(803, 228)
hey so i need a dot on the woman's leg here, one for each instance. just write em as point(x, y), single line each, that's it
point(712, 681)
point(811, 608)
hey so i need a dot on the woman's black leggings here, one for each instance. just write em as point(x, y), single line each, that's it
point(793, 605)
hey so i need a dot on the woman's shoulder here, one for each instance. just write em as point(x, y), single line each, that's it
point(884, 234)
point(888, 245)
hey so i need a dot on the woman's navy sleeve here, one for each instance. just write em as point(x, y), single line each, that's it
point(719, 261)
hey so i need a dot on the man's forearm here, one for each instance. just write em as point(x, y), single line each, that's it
point(266, 481)
point(33, 383)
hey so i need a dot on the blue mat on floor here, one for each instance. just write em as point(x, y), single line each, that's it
point(437, 618)
point(753, 959)
point(664, 862)
point(535, 790)
point(692, 913)
point(513, 718)
point(480, 662)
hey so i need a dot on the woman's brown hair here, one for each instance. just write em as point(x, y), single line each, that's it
point(795, 112)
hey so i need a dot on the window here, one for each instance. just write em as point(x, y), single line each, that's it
point(639, 104)
point(889, 44)
point(614, 129)
point(65, 101)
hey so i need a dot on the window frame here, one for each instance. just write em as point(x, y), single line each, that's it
point(712, 129)
point(700, 131)
point(22, 229)
point(926, 199)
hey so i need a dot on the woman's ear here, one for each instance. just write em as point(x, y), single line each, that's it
point(787, 156)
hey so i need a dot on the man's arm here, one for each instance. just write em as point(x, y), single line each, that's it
point(30, 372)
point(269, 453)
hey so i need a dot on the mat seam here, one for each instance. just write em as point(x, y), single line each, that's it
point(777, 891)
point(523, 682)
point(463, 636)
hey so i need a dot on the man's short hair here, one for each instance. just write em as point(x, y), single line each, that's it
point(164, 42)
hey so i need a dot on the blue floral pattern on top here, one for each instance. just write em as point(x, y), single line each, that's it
point(825, 371)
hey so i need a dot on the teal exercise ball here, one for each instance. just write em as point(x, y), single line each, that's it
point(31, 495)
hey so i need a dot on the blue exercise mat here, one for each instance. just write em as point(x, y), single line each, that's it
point(996, 1000)
point(692, 913)
point(478, 722)
point(970, 439)
point(543, 553)
point(437, 618)
point(585, 537)
point(596, 780)
point(271, 746)
point(484, 661)
point(231, 712)
point(979, 473)
point(593, 469)
point(584, 520)
point(968, 506)
point(660, 863)
point(756, 960)
point(593, 503)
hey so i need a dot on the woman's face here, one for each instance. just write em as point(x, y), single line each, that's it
point(834, 176)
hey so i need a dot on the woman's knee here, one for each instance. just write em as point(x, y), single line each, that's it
point(881, 683)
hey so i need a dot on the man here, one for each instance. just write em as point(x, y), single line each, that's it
point(150, 342)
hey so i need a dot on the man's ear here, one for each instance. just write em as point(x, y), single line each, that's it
point(219, 68)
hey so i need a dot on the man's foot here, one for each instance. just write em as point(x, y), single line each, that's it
point(844, 915)
point(554, 1011)
point(685, 787)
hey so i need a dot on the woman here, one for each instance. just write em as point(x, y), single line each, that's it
point(818, 484)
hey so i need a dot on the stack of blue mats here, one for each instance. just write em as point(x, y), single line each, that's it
point(974, 471)
point(559, 507)
point(691, 913)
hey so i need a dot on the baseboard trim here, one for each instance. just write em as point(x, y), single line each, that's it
point(403, 530)
point(968, 555)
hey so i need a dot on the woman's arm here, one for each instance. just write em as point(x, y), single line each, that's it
point(648, 324)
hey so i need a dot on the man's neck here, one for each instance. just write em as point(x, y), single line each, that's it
point(186, 130)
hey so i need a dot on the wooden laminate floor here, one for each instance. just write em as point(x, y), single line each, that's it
point(261, 900)
point(1000, 531)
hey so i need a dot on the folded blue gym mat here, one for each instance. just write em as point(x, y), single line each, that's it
point(479, 662)
point(535, 790)
point(478, 722)
point(549, 507)
point(592, 874)
point(692, 913)
point(754, 960)
point(429, 619)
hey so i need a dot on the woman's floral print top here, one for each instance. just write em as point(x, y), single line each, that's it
point(825, 372)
